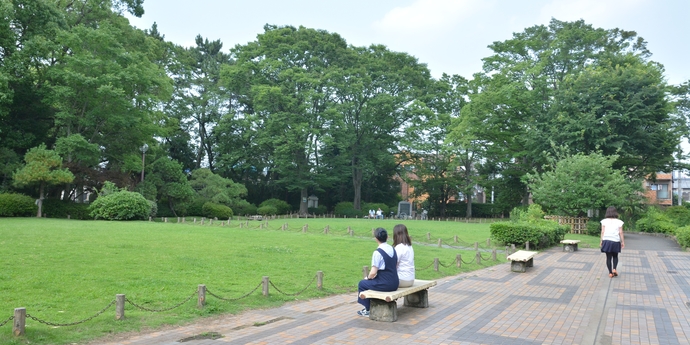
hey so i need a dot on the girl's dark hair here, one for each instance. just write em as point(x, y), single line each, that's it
point(400, 235)
point(611, 212)
point(381, 234)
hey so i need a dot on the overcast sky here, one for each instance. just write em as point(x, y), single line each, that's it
point(450, 36)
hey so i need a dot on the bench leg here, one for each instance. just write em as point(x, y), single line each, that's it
point(419, 299)
point(518, 266)
point(567, 248)
point(380, 310)
point(575, 247)
point(530, 263)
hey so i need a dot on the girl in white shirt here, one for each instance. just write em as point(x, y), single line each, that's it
point(612, 240)
point(405, 253)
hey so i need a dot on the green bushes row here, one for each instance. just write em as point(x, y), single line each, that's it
point(17, 205)
point(539, 235)
point(280, 207)
point(54, 208)
point(528, 224)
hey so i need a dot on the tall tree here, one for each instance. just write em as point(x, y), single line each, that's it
point(281, 83)
point(523, 94)
point(374, 95)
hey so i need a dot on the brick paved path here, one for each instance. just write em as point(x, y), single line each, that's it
point(566, 298)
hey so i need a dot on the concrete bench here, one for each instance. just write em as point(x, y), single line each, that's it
point(520, 260)
point(570, 245)
point(384, 306)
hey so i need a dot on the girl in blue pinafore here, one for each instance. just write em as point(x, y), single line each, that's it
point(384, 274)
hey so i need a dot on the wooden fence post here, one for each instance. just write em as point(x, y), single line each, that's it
point(436, 264)
point(476, 245)
point(201, 301)
point(455, 239)
point(19, 325)
point(458, 260)
point(479, 258)
point(428, 236)
point(119, 307)
point(439, 243)
point(527, 245)
point(319, 280)
point(264, 290)
point(488, 242)
point(493, 254)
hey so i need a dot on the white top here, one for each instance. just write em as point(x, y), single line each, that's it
point(377, 259)
point(405, 261)
point(611, 227)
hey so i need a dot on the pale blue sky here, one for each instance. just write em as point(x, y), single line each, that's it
point(448, 35)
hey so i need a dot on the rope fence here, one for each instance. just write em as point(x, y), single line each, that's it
point(20, 314)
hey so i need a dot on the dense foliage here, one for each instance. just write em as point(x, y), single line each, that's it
point(528, 225)
point(213, 210)
point(86, 98)
point(122, 205)
point(16, 205)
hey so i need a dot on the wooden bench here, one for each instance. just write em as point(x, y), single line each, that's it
point(570, 245)
point(256, 217)
point(384, 306)
point(520, 260)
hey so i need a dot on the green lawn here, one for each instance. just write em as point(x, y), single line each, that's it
point(63, 271)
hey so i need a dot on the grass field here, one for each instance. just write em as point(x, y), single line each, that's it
point(65, 271)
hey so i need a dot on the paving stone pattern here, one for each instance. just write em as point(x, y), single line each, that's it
point(566, 298)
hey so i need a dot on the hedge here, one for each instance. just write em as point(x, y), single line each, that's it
point(267, 210)
point(280, 206)
point(55, 208)
point(17, 205)
point(540, 235)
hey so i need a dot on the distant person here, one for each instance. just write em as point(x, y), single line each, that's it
point(403, 249)
point(379, 214)
point(612, 240)
point(383, 275)
point(371, 213)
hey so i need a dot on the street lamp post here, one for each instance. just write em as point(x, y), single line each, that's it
point(143, 159)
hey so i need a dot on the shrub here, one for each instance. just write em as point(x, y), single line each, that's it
point(122, 205)
point(318, 210)
point(679, 215)
point(55, 208)
point(655, 221)
point(280, 206)
point(163, 210)
point(594, 227)
point(347, 209)
point(683, 236)
point(153, 208)
point(243, 207)
point(267, 210)
point(213, 210)
point(540, 234)
point(17, 205)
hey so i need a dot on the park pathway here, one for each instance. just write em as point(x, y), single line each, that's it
point(566, 298)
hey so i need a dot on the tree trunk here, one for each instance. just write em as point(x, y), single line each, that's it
point(469, 206)
point(303, 210)
point(357, 184)
point(40, 201)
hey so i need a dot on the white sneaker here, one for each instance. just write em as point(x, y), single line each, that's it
point(363, 312)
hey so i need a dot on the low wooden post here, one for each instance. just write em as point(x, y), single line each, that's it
point(476, 245)
point(165, 220)
point(455, 238)
point(319, 280)
point(493, 254)
point(194, 220)
point(507, 251)
point(325, 230)
point(458, 260)
point(150, 219)
point(512, 247)
point(305, 228)
point(488, 242)
point(365, 272)
point(201, 301)
point(19, 325)
point(264, 289)
point(436, 264)
point(202, 221)
point(527, 245)
point(119, 307)
point(428, 236)
point(479, 258)
point(210, 222)
point(439, 243)
point(178, 219)
point(69, 216)
point(222, 224)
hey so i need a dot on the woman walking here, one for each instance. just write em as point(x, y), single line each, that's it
point(612, 240)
